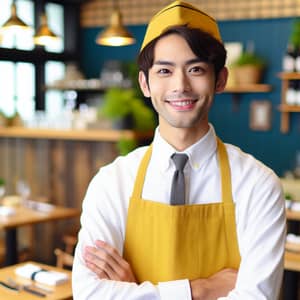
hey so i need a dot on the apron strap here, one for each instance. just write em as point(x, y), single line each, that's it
point(224, 172)
point(141, 174)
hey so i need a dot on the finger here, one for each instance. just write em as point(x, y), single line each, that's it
point(111, 255)
point(117, 260)
point(121, 268)
point(102, 261)
point(100, 273)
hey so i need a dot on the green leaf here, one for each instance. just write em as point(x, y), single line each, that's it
point(126, 145)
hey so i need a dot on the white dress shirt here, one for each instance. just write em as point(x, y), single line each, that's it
point(260, 218)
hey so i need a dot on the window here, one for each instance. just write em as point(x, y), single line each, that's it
point(54, 98)
point(25, 69)
point(25, 11)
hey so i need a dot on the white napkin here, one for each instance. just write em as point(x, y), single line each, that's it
point(293, 238)
point(6, 211)
point(41, 276)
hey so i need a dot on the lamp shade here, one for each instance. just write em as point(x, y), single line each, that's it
point(44, 36)
point(116, 34)
point(14, 23)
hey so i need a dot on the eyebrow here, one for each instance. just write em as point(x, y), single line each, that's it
point(169, 63)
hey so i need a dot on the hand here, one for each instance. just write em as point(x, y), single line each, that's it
point(107, 263)
point(218, 285)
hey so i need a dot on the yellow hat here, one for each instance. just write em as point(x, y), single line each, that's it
point(180, 13)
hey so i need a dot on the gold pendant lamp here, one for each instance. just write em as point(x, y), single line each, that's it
point(115, 34)
point(44, 35)
point(14, 23)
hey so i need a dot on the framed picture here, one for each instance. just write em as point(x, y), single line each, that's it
point(260, 115)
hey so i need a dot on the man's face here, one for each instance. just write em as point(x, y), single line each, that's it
point(180, 85)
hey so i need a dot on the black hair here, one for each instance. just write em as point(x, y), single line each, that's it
point(203, 45)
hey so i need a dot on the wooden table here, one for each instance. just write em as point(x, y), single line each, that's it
point(26, 216)
point(62, 291)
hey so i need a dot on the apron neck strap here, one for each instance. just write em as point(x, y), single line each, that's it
point(224, 173)
point(141, 174)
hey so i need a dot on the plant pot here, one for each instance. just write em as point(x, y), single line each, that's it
point(126, 122)
point(247, 74)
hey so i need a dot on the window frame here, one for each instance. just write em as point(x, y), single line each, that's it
point(38, 56)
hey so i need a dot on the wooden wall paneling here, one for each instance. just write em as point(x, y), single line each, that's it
point(59, 176)
point(30, 161)
point(43, 170)
point(79, 166)
point(22, 169)
point(82, 171)
point(33, 170)
point(103, 153)
point(41, 174)
point(9, 164)
point(58, 172)
point(53, 161)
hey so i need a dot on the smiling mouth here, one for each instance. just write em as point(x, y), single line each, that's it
point(183, 103)
point(186, 104)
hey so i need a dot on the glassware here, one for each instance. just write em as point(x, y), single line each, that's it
point(23, 189)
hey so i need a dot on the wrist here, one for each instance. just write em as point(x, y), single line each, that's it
point(199, 289)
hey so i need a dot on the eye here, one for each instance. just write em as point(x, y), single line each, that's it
point(163, 71)
point(197, 70)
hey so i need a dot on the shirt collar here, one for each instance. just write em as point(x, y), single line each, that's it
point(198, 153)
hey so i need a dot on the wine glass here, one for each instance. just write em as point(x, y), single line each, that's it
point(23, 189)
point(2, 190)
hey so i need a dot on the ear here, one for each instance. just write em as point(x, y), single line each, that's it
point(144, 84)
point(221, 80)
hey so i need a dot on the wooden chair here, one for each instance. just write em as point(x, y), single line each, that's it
point(64, 258)
point(70, 242)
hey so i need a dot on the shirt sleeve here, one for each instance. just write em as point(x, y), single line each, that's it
point(103, 217)
point(261, 234)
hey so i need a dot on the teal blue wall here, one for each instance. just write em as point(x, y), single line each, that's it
point(270, 38)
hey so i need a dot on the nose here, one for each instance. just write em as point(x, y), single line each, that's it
point(181, 82)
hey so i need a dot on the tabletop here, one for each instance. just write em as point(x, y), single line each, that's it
point(59, 292)
point(26, 216)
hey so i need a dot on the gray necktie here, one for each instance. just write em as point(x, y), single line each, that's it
point(178, 184)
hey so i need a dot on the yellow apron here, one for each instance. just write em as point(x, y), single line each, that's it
point(165, 242)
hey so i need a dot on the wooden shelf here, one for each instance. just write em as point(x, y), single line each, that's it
point(250, 88)
point(285, 108)
point(242, 89)
point(289, 108)
point(108, 135)
point(289, 76)
point(75, 88)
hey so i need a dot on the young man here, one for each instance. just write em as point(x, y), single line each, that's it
point(226, 241)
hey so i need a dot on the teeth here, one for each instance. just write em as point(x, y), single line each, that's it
point(183, 103)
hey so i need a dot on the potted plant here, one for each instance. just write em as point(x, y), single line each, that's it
point(127, 109)
point(248, 68)
point(294, 38)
